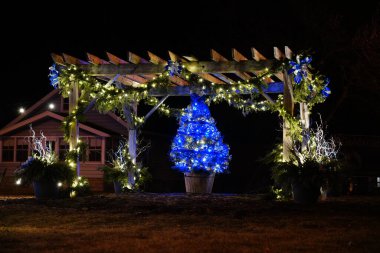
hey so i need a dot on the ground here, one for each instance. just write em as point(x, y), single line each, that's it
point(188, 223)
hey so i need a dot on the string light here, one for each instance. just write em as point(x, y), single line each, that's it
point(108, 99)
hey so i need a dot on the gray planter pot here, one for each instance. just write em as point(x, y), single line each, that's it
point(45, 190)
point(118, 187)
point(305, 195)
point(199, 183)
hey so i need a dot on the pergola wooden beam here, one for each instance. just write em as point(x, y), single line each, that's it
point(58, 59)
point(220, 75)
point(157, 60)
point(237, 56)
point(135, 59)
point(205, 76)
point(259, 57)
point(72, 60)
point(194, 67)
point(276, 87)
point(220, 58)
point(278, 54)
point(136, 79)
point(151, 68)
point(96, 60)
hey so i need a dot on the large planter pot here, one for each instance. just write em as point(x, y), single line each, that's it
point(45, 190)
point(199, 182)
point(118, 187)
point(305, 194)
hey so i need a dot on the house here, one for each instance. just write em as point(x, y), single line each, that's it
point(101, 132)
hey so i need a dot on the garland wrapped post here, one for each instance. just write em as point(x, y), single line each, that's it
point(74, 127)
point(300, 86)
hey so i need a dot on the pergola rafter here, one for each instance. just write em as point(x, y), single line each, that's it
point(220, 71)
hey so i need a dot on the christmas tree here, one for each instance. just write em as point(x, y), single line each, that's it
point(198, 145)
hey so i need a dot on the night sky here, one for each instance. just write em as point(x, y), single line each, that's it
point(340, 36)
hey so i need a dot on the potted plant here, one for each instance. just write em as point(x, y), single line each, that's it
point(123, 172)
point(198, 149)
point(310, 169)
point(43, 170)
point(45, 177)
point(302, 182)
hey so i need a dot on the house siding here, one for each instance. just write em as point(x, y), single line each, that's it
point(105, 121)
point(52, 129)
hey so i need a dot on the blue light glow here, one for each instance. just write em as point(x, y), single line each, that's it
point(298, 70)
point(53, 76)
point(174, 68)
point(198, 145)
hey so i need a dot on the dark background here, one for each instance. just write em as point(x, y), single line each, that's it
point(344, 39)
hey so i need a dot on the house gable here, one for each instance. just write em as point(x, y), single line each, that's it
point(108, 123)
point(50, 123)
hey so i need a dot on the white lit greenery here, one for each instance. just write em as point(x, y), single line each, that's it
point(43, 164)
point(122, 169)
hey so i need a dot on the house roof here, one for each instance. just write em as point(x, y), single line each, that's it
point(49, 114)
point(41, 102)
point(33, 107)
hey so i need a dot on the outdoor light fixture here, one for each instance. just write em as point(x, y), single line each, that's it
point(51, 106)
point(21, 110)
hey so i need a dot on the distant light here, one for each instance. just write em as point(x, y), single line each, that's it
point(51, 106)
point(18, 182)
point(21, 110)
point(59, 184)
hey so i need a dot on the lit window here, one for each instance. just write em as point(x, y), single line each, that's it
point(8, 149)
point(63, 149)
point(21, 150)
point(95, 150)
point(378, 182)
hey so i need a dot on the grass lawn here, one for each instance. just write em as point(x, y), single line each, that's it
point(188, 223)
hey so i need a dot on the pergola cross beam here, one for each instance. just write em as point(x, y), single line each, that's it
point(194, 67)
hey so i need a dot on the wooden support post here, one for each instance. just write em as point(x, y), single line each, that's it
point(305, 122)
point(132, 136)
point(74, 128)
point(289, 108)
point(155, 107)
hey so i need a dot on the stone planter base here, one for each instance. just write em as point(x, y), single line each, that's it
point(199, 183)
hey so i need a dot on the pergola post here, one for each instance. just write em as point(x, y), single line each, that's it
point(74, 128)
point(128, 110)
point(287, 140)
point(305, 122)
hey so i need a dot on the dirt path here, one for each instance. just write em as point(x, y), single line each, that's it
point(188, 223)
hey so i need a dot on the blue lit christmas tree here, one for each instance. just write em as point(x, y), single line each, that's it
point(198, 145)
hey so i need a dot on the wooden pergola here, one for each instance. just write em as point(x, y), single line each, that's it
point(135, 70)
